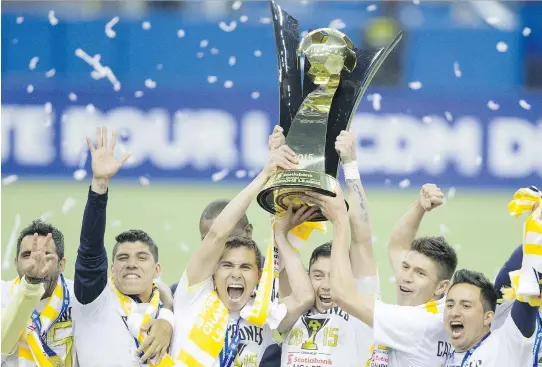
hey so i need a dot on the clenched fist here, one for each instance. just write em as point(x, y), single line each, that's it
point(345, 145)
point(430, 197)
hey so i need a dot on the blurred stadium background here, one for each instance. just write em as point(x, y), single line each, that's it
point(193, 87)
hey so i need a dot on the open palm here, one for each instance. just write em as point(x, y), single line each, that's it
point(104, 164)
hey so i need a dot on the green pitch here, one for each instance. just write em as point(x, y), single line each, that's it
point(476, 222)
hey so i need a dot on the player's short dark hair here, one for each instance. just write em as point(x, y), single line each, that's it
point(214, 208)
point(488, 293)
point(321, 251)
point(438, 250)
point(43, 229)
point(240, 241)
point(134, 235)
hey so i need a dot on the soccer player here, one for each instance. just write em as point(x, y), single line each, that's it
point(411, 333)
point(218, 284)
point(118, 322)
point(326, 333)
point(470, 309)
point(212, 210)
point(36, 306)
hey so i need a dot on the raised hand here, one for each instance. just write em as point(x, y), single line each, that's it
point(277, 138)
point(345, 145)
point(39, 264)
point(104, 164)
point(292, 219)
point(430, 197)
point(333, 208)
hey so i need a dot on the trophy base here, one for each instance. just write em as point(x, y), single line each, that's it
point(309, 346)
point(286, 188)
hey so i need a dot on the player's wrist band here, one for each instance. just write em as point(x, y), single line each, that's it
point(350, 170)
point(34, 280)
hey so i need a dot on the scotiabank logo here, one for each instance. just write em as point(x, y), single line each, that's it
point(309, 361)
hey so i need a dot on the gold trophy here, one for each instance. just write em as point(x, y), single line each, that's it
point(313, 326)
point(312, 116)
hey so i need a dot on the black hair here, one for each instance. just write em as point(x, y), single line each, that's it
point(438, 250)
point(214, 208)
point(488, 293)
point(240, 241)
point(321, 251)
point(134, 235)
point(43, 229)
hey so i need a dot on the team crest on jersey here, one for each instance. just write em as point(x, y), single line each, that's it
point(313, 325)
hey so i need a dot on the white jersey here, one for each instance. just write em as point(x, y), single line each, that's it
point(415, 336)
point(59, 336)
point(505, 346)
point(101, 333)
point(187, 304)
point(332, 338)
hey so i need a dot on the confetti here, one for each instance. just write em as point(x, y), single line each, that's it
point(144, 181)
point(51, 73)
point(90, 108)
point(436, 158)
point(237, 5)
point(220, 175)
point(524, 104)
point(374, 239)
point(115, 223)
point(33, 62)
point(72, 97)
point(20, 20)
point(444, 229)
point(214, 51)
point(228, 27)
point(479, 160)
point(203, 43)
point(29, 88)
point(255, 95)
point(167, 226)
point(99, 71)
point(46, 215)
point(416, 2)
point(526, 32)
point(502, 47)
point(80, 174)
point(138, 94)
point(337, 24)
point(48, 107)
point(232, 61)
point(387, 182)
point(69, 203)
point(228, 84)
point(265, 20)
point(109, 32)
point(181, 33)
point(146, 25)
point(199, 55)
point(211, 79)
point(415, 85)
point(451, 193)
point(457, 72)
point(448, 116)
point(52, 19)
point(427, 119)
point(404, 184)
point(392, 279)
point(252, 173)
point(9, 180)
point(376, 99)
point(257, 53)
point(371, 7)
point(240, 173)
point(493, 21)
point(493, 105)
point(159, 67)
point(12, 242)
point(243, 18)
point(457, 246)
point(184, 247)
point(149, 83)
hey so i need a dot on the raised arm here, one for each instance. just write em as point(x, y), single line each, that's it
point(405, 231)
point(512, 264)
point(203, 262)
point(302, 293)
point(91, 263)
point(361, 244)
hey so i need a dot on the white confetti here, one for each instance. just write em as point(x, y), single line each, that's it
point(138, 94)
point(48, 107)
point(257, 53)
point(232, 61)
point(502, 47)
point(252, 173)
point(149, 83)
point(479, 160)
point(493, 21)
point(46, 215)
point(457, 71)
point(371, 7)
point(220, 175)
point(451, 193)
point(387, 182)
point(51, 73)
point(444, 229)
point(427, 119)
point(436, 158)
point(9, 180)
point(255, 95)
point(415, 85)
point(376, 99)
point(304, 2)
point(524, 104)
point(199, 55)
point(12, 242)
point(109, 32)
point(167, 226)
point(20, 20)
point(493, 106)
point(416, 2)
point(146, 25)
point(404, 184)
point(203, 43)
point(237, 5)
point(526, 32)
point(180, 33)
point(448, 116)
point(374, 239)
point(72, 97)
point(457, 246)
point(99, 71)
point(240, 173)
point(115, 223)
point(144, 181)
point(392, 279)
point(52, 19)
point(265, 20)
point(184, 247)
point(228, 84)
point(228, 27)
point(33, 62)
point(80, 174)
point(337, 24)
point(29, 88)
point(214, 51)
point(90, 108)
point(159, 67)
point(69, 203)
point(211, 79)
point(243, 18)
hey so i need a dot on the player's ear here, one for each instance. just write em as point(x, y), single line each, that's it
point(61, 264)
point(157, 269)
point(442, 288)
point(488, 318)
point(248, 230)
